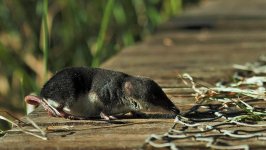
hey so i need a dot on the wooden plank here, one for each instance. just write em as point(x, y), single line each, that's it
point(234, 8)
point(181, 37)
point(242, 15)
point(213, 22)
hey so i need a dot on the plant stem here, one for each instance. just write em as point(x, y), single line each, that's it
point(102, 33)
point(45, 39)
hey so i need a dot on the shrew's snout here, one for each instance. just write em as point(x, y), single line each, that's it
point(175, 110)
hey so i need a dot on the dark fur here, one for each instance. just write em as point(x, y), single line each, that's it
point(67, 85)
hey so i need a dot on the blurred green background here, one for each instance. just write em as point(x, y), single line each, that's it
point(40, 37)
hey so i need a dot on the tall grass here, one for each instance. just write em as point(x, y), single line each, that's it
point(45, 39)
point(102, 33)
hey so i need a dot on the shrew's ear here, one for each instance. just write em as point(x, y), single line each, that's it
point(33, 100)
point(128, 88)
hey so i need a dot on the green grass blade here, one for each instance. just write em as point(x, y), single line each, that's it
point(45, 38)
point(104, 25)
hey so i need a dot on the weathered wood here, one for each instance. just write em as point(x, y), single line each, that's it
point(178, 47)
point(222, 15)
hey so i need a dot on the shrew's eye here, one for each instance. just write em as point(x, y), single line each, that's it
point(135, 104)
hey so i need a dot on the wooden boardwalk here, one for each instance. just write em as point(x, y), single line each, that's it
point(204, 42)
